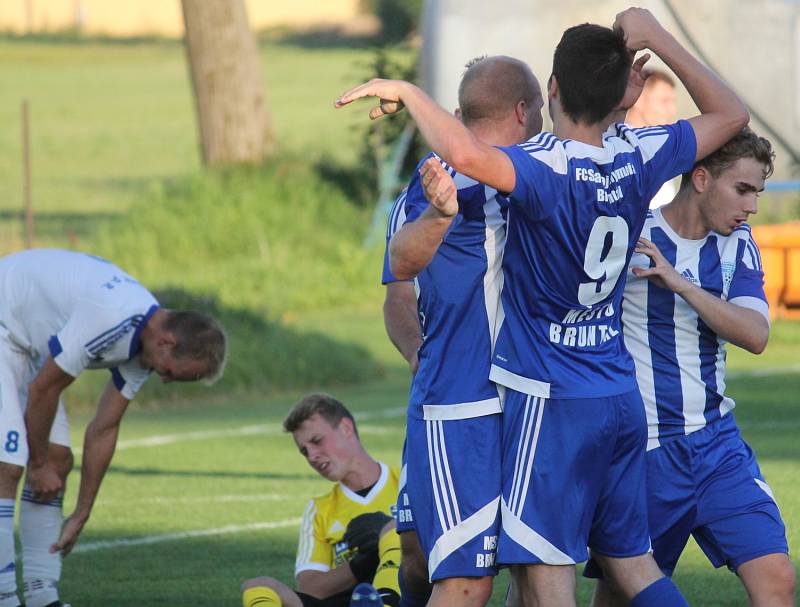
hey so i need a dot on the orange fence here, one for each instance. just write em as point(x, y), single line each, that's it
point(780, 255)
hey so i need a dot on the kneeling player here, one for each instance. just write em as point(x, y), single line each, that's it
point(347, 535)
point(704, 287)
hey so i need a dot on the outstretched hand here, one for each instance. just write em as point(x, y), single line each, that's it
point(388, 91)
point(439, 187)
point(70, 532)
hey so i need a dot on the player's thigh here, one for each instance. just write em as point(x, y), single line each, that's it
point(16, 373)
point(738, 519)
point(555, 457)
point(454, 491)
point(770, 580)
point(620, 527)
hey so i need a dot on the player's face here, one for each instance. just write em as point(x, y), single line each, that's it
point(158, 358)
point(733, 196)
point(658, 103)
point(326, 448)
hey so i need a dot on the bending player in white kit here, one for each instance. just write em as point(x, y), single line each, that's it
point(62, 312)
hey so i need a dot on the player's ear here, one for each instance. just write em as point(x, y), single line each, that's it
point(521, 112)
point(701, 178)
point(552, 87)
point(168, 339)
point(457, 113)
point(347, 426)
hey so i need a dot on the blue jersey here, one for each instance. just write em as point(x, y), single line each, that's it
point(575, 215)
point(457, 299)
point(680, 361)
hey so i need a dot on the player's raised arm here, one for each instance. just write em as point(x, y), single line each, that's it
point(445, 134)
point(722, 113)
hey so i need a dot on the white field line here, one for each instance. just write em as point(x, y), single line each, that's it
point(766, 372)
point(182, 535)
point(257, 429)
point(214, 499)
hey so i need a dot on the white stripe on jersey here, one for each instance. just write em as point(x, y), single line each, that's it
point(397, 216)
point(306, 544)
point(494, 245)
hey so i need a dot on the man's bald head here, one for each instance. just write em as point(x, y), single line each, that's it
point(493, 86)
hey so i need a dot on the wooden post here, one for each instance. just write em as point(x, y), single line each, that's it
point(26, 175)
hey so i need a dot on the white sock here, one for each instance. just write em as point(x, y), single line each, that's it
point(39, 528)
point(8, 569)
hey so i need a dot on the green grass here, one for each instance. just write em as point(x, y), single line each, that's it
point(110, 123)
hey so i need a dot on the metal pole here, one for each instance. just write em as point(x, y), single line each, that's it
point(26, 175)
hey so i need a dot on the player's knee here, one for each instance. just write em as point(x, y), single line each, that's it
point(64, 462)
point(783, 582)
point(468, 590)
point(388, 528)
point(258, 582)
point(9, 477)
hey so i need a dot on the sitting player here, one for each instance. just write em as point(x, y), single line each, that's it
point(697, 283)
point(347, 535)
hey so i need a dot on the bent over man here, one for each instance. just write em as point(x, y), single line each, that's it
point(62, 312)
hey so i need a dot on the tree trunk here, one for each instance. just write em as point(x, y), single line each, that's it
point(228, 90)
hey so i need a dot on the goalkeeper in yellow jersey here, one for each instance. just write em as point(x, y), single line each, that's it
point(347, 536)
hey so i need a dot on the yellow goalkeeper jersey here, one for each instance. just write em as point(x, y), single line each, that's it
point(321, 546)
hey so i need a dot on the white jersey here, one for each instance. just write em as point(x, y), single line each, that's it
point(680, 360)
point(82, 310)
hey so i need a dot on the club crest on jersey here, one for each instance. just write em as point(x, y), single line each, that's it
point(728, 268)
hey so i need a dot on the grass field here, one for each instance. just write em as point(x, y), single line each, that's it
point(202, 495)
point(206, 491)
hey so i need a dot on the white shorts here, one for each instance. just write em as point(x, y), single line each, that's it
point(17, 369)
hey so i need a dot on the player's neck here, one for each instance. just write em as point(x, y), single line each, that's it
point(683, 216)
point(565, 128)
point(364, 473)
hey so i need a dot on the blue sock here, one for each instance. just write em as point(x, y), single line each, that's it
point(407, 598)
point(662, 593)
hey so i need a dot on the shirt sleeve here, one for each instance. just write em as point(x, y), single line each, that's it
point(540, 166)
point(407, 208)
point(667, 151)
point(129, 377)
point(90, 331)
point(747, 282)
point(313, 552)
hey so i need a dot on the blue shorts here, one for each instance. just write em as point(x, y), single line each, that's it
point(573, 476)
point(403, 516)
point(708, 485)
point(453, 486)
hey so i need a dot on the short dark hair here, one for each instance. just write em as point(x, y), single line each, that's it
point(745, 144)
point(591, 65)
point(492, 86)
point(317, 403)
point(198, 337)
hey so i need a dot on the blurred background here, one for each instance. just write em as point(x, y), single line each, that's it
point(195, 144)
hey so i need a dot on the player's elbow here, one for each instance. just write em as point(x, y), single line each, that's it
point(740, 116)
point(759, 344)
point(401, 266)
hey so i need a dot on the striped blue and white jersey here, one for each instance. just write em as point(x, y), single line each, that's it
point(680, 361)
point(575, 215)
point(457, 300)
point(82, 310)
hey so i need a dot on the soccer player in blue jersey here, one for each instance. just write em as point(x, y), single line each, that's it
point(452, 248)
point(574, 430)
point(696, 284)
